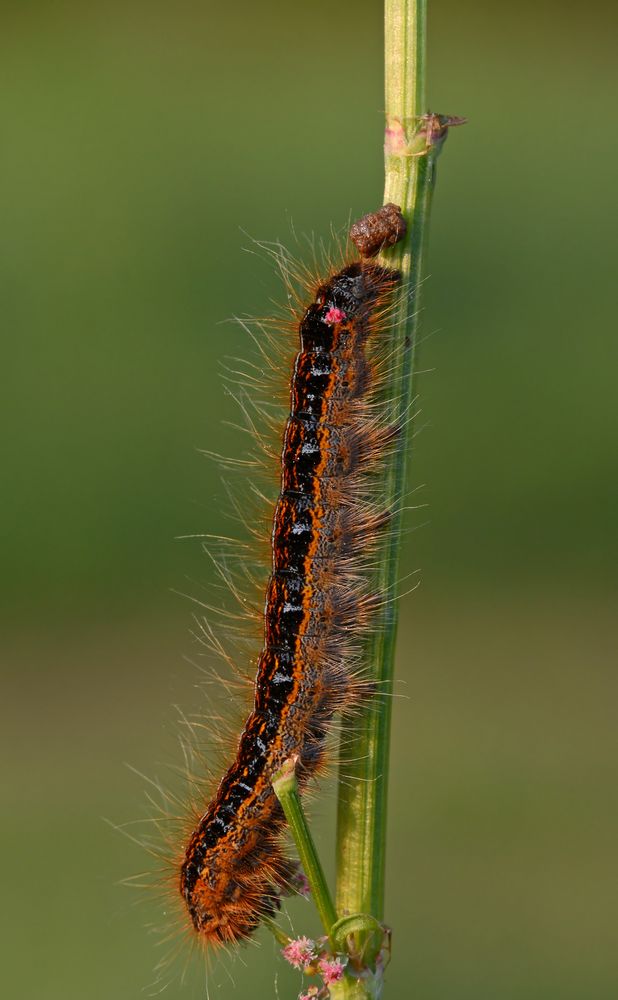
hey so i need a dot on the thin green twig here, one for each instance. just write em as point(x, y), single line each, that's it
point(285, 787)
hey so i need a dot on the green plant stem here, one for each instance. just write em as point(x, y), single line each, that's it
point(285, 787)
point(412, 144)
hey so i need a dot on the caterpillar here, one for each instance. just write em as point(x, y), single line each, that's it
point(318, 601)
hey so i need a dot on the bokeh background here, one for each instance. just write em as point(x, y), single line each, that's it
point(144, 146)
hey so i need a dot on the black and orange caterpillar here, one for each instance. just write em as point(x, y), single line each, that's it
point(317, 602)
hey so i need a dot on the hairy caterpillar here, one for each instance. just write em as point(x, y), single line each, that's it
point(318, 601)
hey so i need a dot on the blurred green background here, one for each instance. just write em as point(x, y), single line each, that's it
point(142, 142)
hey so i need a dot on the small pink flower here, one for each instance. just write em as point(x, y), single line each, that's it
point(334, 315)
point(299, 952)
point(331, 970)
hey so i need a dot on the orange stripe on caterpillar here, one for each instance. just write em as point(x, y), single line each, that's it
point(234, 867)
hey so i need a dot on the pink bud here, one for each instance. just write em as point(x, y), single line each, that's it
point(331, 970)
point(299, 952)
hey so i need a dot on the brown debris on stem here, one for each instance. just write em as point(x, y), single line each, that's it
point(378, 230)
